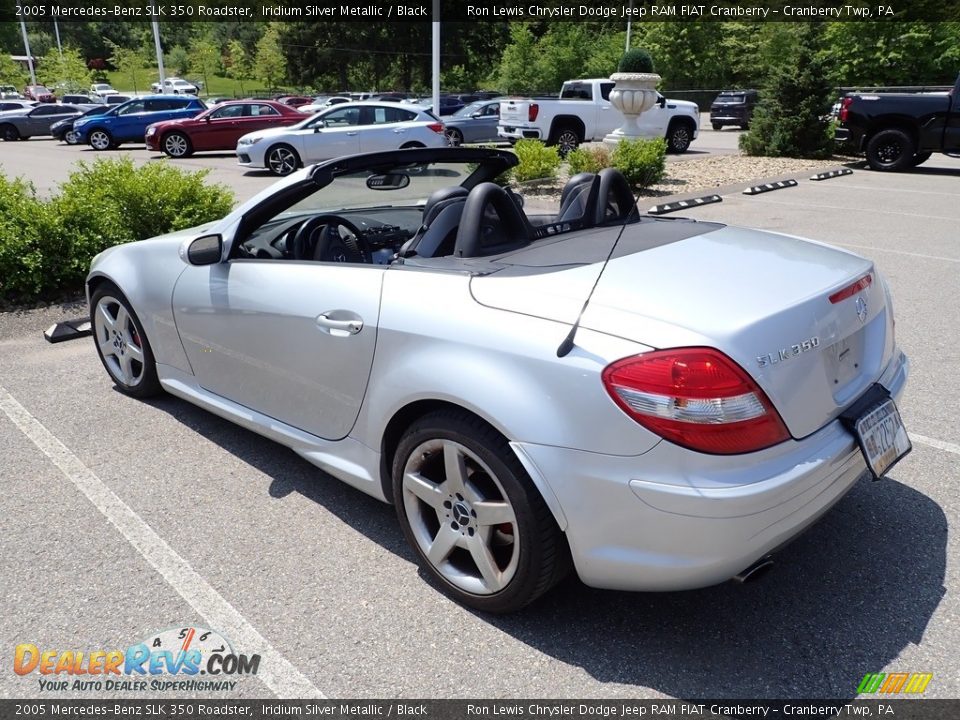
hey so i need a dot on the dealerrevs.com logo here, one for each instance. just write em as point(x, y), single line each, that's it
point(171, 660)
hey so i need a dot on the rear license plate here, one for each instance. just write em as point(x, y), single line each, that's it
point(882, 437)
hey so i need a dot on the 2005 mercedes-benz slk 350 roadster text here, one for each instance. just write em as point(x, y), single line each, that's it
point(657, 403)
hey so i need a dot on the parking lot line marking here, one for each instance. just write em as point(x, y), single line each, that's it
point(808, 205)
point(276, 672)
point(896, 252)
point(897, 190)
point(933, 442)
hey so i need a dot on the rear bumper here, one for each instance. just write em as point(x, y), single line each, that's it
point(672, 519)
point(511, 132)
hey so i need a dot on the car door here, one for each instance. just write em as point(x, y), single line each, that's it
point(385, 127)
point(331, 135)
point(653, 122)
point(268, 334)
point(38, 120)
point(484, 127)
point(124, 124)
point(220, 130)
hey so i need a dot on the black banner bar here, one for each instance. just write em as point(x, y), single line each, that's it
point(481, 10)
point(193, 709)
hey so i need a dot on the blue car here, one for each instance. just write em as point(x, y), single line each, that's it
point(128, 122)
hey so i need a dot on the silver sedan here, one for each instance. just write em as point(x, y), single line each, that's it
point(656, 404)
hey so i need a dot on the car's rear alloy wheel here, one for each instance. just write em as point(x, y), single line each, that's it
point(101, 140)
point(890, 150)
point(479, 526)
point(70, 137)
point(176, 145)
point(9, 132)
point(454, 137)
point(122, 344)
point(282, 160)
point(567, 140)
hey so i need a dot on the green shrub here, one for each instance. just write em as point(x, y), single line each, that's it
point(589, 159)
point(537, 161)
point(27, 241)
point(636, 60)
point(46, 246)
point(642, 162)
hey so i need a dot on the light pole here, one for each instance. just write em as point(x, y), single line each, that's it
point(436, 57)
point(156, 43)
point(56, 31)
point(26, 47)
point(629, 28)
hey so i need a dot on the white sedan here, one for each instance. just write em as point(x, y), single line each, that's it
point(345, 129)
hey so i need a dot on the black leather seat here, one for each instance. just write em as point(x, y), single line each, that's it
point(577, 198)
point(491, 223)
point(615, 202)
point(441, 218)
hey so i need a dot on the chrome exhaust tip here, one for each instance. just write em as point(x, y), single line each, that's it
point(760, 568)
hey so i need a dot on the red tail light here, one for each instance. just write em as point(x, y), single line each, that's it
point(436, 127)
point(851, 290)
point(845, 108)
point(532, 111)
point(695, 397)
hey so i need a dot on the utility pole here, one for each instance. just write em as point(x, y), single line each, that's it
point(26, 47)
point(159, 48)
point(436, 57)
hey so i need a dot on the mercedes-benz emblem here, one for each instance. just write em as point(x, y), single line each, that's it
point(862, 309)
point(461, 514)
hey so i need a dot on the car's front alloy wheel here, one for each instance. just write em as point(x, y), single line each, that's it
point(70, 137)
point(679, 137)
point(122, 344)
point(454, 137)
point(479, 526)
point(282, 160)
point(176, 145)
point(101, 140)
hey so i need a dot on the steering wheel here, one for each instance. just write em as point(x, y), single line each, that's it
point(330, 238)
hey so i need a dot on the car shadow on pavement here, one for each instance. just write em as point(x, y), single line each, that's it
point(844, 599)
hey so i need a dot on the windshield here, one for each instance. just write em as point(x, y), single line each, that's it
point(468, 110)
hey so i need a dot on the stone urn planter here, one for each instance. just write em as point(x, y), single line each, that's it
point(633, 94)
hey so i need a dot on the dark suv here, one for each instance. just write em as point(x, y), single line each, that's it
point(733, 107)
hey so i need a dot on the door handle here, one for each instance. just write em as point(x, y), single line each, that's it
point(345, 326)
point(352, 133)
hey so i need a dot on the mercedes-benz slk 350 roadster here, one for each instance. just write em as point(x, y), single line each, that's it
point(535, 384)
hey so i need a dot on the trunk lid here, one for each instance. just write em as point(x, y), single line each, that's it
point(514, 112)
point(761, 298)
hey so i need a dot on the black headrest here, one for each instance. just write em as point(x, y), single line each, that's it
point(577, 181)
point(433, 204)
point(616, 201)
point(510, 231)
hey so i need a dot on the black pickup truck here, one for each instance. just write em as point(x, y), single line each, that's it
point(898, 131)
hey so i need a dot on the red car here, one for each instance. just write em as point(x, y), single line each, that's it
point(218, 128)
point(39, 93)
point(294, 100)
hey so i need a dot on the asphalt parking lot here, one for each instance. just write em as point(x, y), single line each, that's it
point(123, 518)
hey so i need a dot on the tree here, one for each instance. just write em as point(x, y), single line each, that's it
point(790, 120)
point(178, 60)
point(68, 71)
point(205, 58)
point(517, 72)
point(270, 64)
point(238, 63)
point(10, 71)
point(131, 64)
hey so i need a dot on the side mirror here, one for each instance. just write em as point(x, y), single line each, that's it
point(205, 250)
point(662, 102)
point(476, 114)
point(207, 118)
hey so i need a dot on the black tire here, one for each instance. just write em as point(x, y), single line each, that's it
point(567, 139)
point(122, 334)
point(454, 137)
point(70, 138)
point(679, 137)
point(529, 550)
point(920, 158)
point(411, 145)
point(176, 145)
point(282, 159)
point(717, 126)
point(890, 151)
point(9, 133)
point(745, 126)
point(100, 140)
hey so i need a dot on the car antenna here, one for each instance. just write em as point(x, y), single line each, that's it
point(567, 345)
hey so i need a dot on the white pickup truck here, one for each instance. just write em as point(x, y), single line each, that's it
point(584, 114)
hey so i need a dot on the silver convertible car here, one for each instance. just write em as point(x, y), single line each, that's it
point(658, 404)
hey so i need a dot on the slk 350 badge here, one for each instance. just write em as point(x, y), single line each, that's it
point(779, 356)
